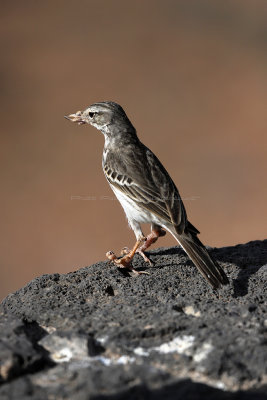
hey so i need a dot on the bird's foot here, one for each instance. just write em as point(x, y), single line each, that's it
point(126, 250)
point(148, 241)
point(124, 262)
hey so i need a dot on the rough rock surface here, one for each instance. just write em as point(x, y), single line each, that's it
point(101, 333)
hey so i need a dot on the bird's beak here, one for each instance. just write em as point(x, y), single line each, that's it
point(77, 117)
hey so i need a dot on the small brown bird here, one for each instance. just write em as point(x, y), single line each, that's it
point(145, 190)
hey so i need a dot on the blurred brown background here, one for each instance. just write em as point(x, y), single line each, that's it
point(191, 75)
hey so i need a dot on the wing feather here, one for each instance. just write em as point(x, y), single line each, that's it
point(145, 181)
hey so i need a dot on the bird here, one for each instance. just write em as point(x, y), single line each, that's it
point(145, 191)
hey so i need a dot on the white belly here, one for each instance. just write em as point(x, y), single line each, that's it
point(133, 211)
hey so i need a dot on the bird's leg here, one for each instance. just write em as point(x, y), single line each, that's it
point(156, 232)
point(125, 261)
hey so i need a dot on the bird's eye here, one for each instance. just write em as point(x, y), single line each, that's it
point(91, 114)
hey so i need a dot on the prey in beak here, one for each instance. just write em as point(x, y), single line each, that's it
point(77, 117)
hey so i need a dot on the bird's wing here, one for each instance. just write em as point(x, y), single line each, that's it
point(168, 191)
point(144, 180)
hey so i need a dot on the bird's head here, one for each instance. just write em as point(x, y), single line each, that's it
point(103, 116)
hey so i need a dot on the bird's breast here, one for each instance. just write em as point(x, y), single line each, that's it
point(133, 210)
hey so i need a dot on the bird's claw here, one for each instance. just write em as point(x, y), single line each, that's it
point(123, 262)
point(126, 251)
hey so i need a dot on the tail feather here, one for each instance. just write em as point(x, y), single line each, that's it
point(208, 267)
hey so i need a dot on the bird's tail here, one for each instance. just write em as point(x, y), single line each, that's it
point(208, 267)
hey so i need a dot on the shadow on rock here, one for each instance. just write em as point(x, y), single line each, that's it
point(242, 255)
point(185, 389)
point(249, 258)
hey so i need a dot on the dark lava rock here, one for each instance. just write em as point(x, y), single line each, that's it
point(101, 333)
